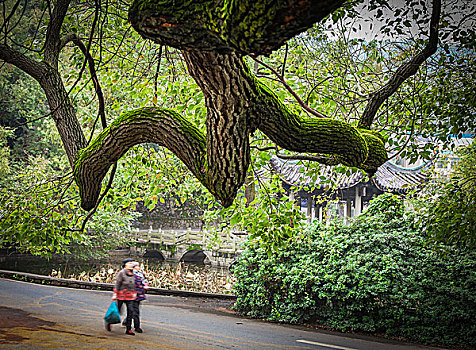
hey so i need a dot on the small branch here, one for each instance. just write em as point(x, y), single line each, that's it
point(18, 20)
point(315, 86)
point(92, 70)
point(24, 47)
point(406, 142)
point(4, 27)
point(66, 39)
point(285, 58)
point(262, 149)
point(39, 118)
point(61, 199)
point(403, 72)
point(464, 181)
point(281, 79)
point(156, 77)
point(91, 35)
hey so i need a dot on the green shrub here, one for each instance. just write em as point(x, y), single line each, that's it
point(375, 275)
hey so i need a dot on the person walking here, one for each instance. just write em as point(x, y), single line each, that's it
point(125, 293)
point(141, 286)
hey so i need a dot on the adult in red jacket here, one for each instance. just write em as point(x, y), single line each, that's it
point(125, 293)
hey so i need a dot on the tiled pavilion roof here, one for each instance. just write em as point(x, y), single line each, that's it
point(389, 177)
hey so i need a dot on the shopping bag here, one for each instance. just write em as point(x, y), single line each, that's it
point(112, 315)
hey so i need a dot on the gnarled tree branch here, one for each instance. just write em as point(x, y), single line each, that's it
point(247, 27)
point(164, 127)
point(237, 104)
point(403, 72)
point(33, 68)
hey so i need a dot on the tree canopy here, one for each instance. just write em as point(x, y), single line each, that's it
point(215, 39)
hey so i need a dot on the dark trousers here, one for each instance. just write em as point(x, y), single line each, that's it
point(130, 311)
point(136, 316)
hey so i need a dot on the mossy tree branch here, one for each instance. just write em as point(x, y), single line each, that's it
point(237, 103)
point(147, 125)
point(245, 26)
point(226, 80)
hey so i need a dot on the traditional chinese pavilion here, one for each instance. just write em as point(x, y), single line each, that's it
point(349, 194)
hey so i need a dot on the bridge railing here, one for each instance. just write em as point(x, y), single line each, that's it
point(218, 241)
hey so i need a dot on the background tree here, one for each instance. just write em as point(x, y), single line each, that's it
point(448, 214)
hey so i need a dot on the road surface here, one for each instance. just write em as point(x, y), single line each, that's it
point(34, 316)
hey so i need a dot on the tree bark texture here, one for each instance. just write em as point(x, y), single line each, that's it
point(246, 26)
point(63, 113)
point(228, 116)
point(213, 37)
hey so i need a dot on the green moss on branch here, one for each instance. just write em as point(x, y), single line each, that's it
point(147, 125)
point(354, 147)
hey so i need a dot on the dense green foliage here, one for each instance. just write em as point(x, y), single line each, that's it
point(4, 151)
point(39, 207)
point(449, 212)
point(375, 275)
point(38, 215)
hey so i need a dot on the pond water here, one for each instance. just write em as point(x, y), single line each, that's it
point(44, 266)
point(184, 276)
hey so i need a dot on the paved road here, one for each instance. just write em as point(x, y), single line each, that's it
point(45, 317)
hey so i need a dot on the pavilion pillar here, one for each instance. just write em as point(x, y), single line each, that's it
point(298, 202)
point(322, 212)
point(310, 204)
point(348, 211)
point(340, 209)
point(357, 202)
point(317, 210)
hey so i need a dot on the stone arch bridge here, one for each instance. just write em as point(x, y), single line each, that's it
point(216, 248)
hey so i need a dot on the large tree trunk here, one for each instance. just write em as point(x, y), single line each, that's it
point(63, 113)
point(228, 149)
